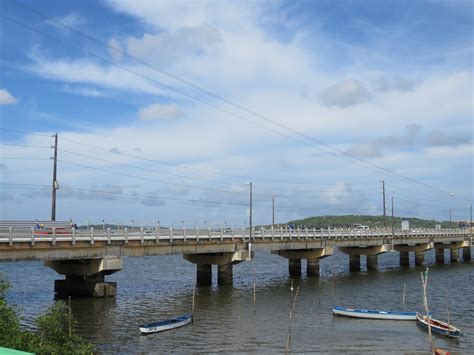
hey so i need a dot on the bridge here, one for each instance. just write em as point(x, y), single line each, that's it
point(86, 256)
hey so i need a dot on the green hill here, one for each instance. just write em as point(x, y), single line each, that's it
point(371, 221)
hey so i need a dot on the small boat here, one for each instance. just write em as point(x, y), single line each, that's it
point(373, 314)
point(437, 326)
point(166, 324)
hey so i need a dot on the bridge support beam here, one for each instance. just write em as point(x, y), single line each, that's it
point(372, 262)
point(354, 262)
point(404, 258)
point(294, 267)
point(86, 277)
point(312, 267)
point(419, 258)
point(225, 274)
point(454, 255)
point(440, 256)
point(466, 253)
point(204, 274)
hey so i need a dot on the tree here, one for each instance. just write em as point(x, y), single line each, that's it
point(54, 332)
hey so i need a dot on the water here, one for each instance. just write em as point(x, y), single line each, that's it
point(153, 288)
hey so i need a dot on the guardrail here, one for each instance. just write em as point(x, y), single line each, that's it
point(31, 235)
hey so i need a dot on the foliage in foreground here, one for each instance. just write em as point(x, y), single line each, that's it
point(54, 332)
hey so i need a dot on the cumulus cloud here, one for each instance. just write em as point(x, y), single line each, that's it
point(413, 136)
point(159, 112)
point(395, 84)
point(84, 91)
point(6, 98)
point(345, 93)
point(168, 47)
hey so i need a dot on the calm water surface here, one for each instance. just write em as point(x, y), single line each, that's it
point(153, 288)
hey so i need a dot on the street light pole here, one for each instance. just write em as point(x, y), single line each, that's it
point(393, 230)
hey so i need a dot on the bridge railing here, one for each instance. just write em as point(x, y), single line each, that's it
point(32, 235)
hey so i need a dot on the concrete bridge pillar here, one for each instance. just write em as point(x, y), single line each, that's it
point(354, 262)
point(204, 274)
point(312, 267)
point(404, 258)
point(372, 262)
point(224, 274)
point(419, 258)
point(466, 253)
point(85, 277)
point(454, 255)
point(294, 267)
point(440, 256)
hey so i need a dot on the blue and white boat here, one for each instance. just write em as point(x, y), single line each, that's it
point(437, 326)
point(373, 314)
point(167, 324)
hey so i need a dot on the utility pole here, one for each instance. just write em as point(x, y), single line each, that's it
point(393, 230)
point(384, 207)
point(55, 182)
point(273, 210)
point(450, 221)
point(250, 216)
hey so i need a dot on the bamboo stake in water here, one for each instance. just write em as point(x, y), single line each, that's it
point(424, 281)
point(447, 307)
point(403, 296)
point(254, 292)
point(192, 310)
point(290, 317)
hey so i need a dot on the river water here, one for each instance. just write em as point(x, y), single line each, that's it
point(226, 320)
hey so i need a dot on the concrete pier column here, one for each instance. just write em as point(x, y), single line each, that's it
point(404, 258)
point(419, 258)
point(84, 286)
point(354, 262)
point(454, 255)
point(294, 267)
point(204, 274)
point(224, 274)
point(440, 256)
point(466, 253)
point(312, 267)
point(85, 277)
point(372, 262)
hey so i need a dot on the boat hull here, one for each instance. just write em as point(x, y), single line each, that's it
point(373, 314)
point(166, 325)
point(438, 327)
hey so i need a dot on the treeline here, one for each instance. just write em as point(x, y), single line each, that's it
point(53, 330)
point(371, 221)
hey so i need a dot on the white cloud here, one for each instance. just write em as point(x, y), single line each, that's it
point(84, 91)
point(73, 19)
point(159, 112)
point(6, 98)
point(345, 93)
point(115, 49)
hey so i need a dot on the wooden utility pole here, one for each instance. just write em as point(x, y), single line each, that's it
point(55, 182)
point(250, 217)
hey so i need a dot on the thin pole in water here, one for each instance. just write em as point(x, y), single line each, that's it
point(254, 292)
point(290, 317)
point(447, 307)
point(403, 296)
point(192, 310)
point(424, 281)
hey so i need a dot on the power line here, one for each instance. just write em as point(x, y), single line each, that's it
point(277, 124)
point(25, 145)
point(22, 131)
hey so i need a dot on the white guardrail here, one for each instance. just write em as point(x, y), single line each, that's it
point(12, 235)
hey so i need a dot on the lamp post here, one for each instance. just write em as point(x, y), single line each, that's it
point(450, 214)
point(470, 221)
point(250, 214)
point(273, 210)
point(393, 230)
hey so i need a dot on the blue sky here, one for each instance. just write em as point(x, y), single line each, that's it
point(386, 84)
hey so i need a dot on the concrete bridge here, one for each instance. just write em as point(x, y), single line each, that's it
point(86, 256)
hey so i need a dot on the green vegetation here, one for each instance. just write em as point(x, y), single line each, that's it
point(54, 332)
point(371, 221)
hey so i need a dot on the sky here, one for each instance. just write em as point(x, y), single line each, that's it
point(166, 110)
